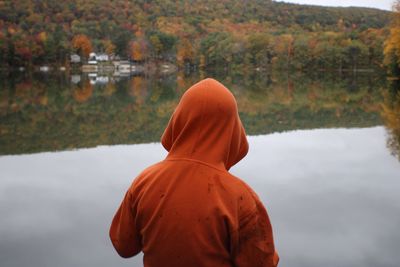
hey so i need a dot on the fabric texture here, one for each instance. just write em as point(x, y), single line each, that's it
point(188, 210)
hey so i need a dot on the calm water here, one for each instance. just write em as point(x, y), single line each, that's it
point(323, 158)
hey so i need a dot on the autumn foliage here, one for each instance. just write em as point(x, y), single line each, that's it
point(82, 45)
point(391, 116)
point(210, 33)
point(83, 93)
point(392, 44)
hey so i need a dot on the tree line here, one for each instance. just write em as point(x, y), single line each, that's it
point(193, 34)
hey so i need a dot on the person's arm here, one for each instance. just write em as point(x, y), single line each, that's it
point(124, 234)
point(255, 246)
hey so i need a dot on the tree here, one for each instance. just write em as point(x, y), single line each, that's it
point(82, 45)
point(304, 52)
point(283, 47)
point(260, 48)
point(61, 44)
point(185, 53)
point(392, 44)
point(121, 40)
point(162, 44)
point(3, 47)
point(138, 50)
point(355, 52)
point(51, 48)
point(109, 47)
point(156, 45)
point(22, 49)
point(217, 48)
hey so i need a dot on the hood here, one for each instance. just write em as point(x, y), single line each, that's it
point(206, 126)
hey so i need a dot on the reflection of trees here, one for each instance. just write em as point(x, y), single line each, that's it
point(4, 100)
point(266, 103)
point(22, 95)
point(302, 103)
point(183, 81)
point(83, 93)
point(26, 92)
point(138, 89)
point(110, 89)
point(391, 116)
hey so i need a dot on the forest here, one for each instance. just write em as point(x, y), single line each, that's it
point(194, 34)
point(226, 38)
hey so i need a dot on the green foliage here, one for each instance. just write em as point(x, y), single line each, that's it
point(226, 33)
point(163, 44)
point(49, 112)
point(260, 47)
point(217, 48)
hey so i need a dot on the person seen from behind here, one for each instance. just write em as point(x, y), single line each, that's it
point(188, 210)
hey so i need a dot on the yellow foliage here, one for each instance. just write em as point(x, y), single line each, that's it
point(185, 52)
point(391, 116)
point(109, 47)
point(42, 37)
point(169, 25)
point(156, 43)
point(136, 51)
point(391, 112)
point(284, 44)
point(392, 44)
point(43, 100)
point(138, 90)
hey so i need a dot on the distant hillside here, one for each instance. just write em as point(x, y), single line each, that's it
point(205, 33)
point(328, 17)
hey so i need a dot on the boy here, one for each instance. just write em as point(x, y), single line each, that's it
point(188, 210)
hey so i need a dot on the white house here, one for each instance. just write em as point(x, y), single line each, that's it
point(92, 58)
point(102, 57)
point(123, 66)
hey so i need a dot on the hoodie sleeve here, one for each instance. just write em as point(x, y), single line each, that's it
point(124, 234)
point(255, 245)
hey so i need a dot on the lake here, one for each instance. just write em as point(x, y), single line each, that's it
point(323, 158)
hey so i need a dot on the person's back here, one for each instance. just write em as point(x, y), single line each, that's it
point(188, 210)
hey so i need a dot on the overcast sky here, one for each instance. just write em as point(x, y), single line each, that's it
point(381, 4)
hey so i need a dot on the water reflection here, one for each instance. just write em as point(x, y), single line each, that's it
point(332, 195)
point(48, 112)
point(391, 116)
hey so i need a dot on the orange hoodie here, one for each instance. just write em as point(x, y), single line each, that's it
point(188, 210)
